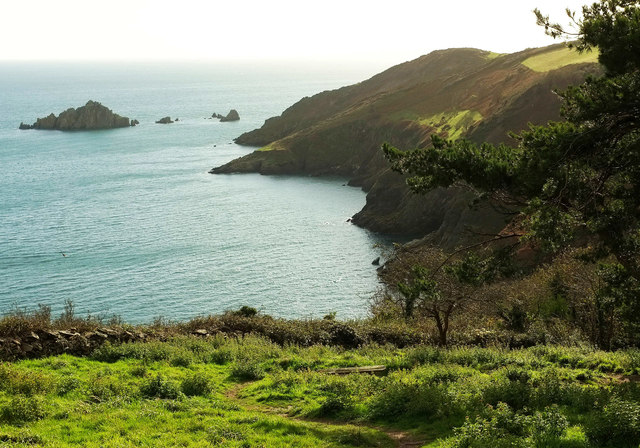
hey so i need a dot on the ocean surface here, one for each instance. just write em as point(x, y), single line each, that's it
point(145, 231)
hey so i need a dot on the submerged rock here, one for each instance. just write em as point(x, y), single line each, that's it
point(91, 116)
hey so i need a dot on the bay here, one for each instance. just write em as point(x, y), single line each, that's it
point(144, 229)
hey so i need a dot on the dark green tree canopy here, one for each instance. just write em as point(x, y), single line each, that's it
point(579, 176)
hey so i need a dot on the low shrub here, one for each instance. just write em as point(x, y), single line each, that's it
point(516, 394)
point(160, 387)
point(67, 385)
point(617, 425)
point(499, 427)
point(23, 409)
point(105, 388)
point(197, 384)
point(22, 381)
point(424, 355)
point(220, 356)
point(548, 428)
point(247, 370)
point(223, 433)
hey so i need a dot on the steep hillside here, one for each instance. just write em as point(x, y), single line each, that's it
point(455, 93)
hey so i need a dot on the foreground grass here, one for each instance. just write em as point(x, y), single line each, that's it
point(251, 392)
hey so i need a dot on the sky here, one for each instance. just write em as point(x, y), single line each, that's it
point(353, 31)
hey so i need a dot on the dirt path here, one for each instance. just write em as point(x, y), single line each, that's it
point(401, 439)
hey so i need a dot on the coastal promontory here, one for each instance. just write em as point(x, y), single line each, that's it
point(91, 116)
point(454, 93)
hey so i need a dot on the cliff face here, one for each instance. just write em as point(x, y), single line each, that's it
point(455, 93)
point(92, 115)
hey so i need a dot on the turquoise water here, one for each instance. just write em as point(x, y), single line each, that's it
point(146, 231)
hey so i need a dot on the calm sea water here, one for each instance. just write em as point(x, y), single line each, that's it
point(146, 231)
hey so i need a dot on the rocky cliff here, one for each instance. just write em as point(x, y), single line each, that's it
point(92, 115)
point(455, 93)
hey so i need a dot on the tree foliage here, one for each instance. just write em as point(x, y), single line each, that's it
point(438, 286)
point(578, 177)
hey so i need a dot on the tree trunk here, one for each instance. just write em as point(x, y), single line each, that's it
point(442, 328)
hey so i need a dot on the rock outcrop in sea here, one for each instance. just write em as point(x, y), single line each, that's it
point(91, 116)
point(231, 116)
point(164, 120)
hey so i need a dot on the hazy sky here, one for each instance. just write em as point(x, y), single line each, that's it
point(348, 30)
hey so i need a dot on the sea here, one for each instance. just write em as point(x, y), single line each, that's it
point(129, 223)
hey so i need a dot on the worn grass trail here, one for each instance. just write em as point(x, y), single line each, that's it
point(400, 439)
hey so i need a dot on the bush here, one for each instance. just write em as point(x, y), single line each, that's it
point(196, 384)
point(23, 409)
point(617, 425)
point(106, 388)
point(516, 394)
point(68, 384)
point(340, 395)
point(181, 360)
point(548, 428)
point(247, 370)
point(160, 387)
point(344, 335)
point(499, 428)
point(424, 355)
point(405, 395)
point(25, 382)
point(220, 356)
point(246, 311)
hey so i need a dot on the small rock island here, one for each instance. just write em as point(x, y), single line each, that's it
point(231, 116)
point(91, 116)
point(165, 120)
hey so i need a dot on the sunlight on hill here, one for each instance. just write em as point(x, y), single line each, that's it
point(491, 55)
point(271, 147)
point(454, 123)
point(559, 58)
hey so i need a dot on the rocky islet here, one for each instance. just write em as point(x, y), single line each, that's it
point(91, 116)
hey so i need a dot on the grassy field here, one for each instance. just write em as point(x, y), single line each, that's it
point(553, 60)
point(246, 392)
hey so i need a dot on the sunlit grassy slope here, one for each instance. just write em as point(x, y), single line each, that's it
point(454, 123)
point(271, 147)
point(493, 55)
point(559, 58)
point(250, 392)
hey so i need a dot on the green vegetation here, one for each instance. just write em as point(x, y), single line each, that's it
point(561, 57)
point(492, 55)
point(526, 331)
point(148, 394)
point(452, 124)
point(271, 147)
point(569, 188)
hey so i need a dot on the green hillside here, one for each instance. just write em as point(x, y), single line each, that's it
point(454, 93)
